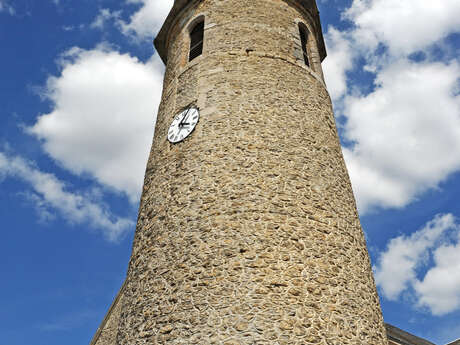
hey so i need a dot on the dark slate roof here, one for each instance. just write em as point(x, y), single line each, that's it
point(401, 337)
point(161, 40)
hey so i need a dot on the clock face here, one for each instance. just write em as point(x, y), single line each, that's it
point(183, 124)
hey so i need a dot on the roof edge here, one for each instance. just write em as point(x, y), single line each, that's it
point(403, 337)
point(160, 42)
point(455, 342)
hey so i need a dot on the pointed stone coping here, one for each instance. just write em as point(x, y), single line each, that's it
point(161, 41)
point(108, 315)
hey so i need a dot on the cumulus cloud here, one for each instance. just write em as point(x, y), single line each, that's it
point(104, 16)
point(403, 26)
point(406, 133)
point(339, 61)
point(49, 193)
point(404, 126)
point(147, 21)
point(102, 122)
point(440, 288)
point(398, 267)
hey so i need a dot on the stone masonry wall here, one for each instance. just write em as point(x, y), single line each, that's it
point(248, 231)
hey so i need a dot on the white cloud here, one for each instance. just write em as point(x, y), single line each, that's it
point(406, 133)
point(404, 26)
point(339, 61)
point(44, 213)
point(104, 16)
point(102, 120)
point(440, 288)
point(147, 21)
point(50, 193)
point(397, 267)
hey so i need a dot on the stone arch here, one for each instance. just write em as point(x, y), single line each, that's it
point(195, 31)
point(308, 47)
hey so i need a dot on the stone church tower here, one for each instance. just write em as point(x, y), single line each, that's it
point(248, 231)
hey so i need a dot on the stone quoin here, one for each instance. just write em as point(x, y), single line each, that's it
point(248, 231)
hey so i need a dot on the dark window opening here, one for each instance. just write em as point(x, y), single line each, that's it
point(304, 43)
point(196, 40)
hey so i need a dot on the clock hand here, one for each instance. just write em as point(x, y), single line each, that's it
point(181, 123)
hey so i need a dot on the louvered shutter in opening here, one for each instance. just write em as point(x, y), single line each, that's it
point(196, 41)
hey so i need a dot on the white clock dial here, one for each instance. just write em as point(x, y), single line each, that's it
point(183, 124)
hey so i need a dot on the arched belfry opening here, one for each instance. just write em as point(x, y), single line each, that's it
point(304, 37)
point(196, 40)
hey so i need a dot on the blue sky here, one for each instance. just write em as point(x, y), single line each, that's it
point(80, 84)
